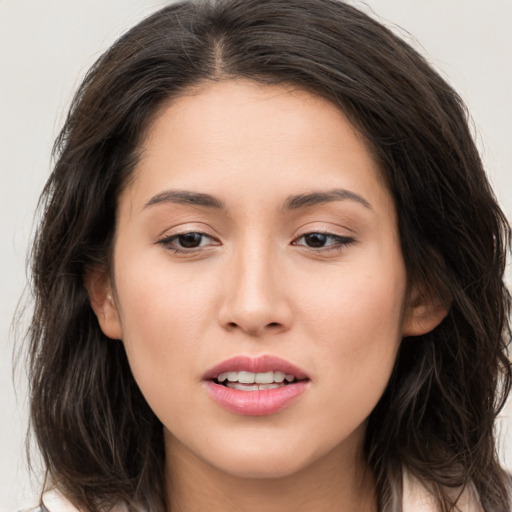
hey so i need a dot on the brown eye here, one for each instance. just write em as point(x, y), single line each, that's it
point(187, 242)
point(190, 240)
point(315, 239)
point(324, 241)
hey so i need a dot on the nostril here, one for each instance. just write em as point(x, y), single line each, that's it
point(273, 325)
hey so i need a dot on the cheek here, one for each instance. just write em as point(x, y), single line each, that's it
point(356, 332)
point(360, 308)
point(163, 315)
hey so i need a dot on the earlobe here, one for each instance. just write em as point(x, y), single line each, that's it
point(101, 296)
point(424, 313)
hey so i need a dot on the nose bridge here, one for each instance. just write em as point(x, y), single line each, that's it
point(254, 300)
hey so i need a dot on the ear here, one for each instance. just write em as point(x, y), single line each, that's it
point(425, 311)
point(99, 287)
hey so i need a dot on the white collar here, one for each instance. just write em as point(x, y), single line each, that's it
point(417, 498)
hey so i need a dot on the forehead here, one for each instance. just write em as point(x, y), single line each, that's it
point(247, 139)
point(253, 116)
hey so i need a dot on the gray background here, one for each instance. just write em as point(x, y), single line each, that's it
point(47, 46)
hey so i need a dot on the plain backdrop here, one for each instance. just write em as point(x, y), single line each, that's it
point(47, 46)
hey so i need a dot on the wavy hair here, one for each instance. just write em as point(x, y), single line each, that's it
point(100, 441)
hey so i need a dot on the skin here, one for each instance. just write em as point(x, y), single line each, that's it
point(256, 286)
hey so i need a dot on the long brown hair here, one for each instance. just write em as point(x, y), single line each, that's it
point(100, 441)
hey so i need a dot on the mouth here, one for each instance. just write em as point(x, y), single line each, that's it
point(249, 381)
point(264, 370)
point(255, 386)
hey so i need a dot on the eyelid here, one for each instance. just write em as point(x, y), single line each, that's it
point(166, 240)
point(338, 240)
point(341, 241)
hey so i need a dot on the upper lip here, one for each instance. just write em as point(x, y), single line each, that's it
point(261, 364)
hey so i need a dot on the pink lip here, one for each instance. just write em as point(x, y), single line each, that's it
point(261, 402)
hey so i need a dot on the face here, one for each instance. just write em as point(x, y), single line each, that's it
point(257, 237)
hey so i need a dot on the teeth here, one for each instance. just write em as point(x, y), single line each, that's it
point(247, 377)
point(264, 378)
point(253, 387)
point(258, 378)
point(279, 376)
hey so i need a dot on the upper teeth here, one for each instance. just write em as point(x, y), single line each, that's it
point(258, 378)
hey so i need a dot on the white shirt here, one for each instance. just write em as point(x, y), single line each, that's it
point(418, 499)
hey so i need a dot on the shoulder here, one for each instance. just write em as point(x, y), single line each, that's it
point(54, 501)
point(39, 508)
point(417, 498)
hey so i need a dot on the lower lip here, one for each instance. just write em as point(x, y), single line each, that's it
point(255, 403)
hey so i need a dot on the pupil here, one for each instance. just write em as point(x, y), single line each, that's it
point(190, 240)
point(316, 240)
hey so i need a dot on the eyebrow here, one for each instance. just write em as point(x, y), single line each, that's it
point(314, 198)
point(186, 197)
point(294, 202)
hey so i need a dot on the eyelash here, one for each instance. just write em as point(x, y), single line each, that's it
point(168, 240)
point(340, 242)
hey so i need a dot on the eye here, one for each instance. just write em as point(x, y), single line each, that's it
point(187, 242)
point(326, 241)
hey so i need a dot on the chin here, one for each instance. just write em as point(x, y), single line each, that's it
point(261, 461)
point(265, 467)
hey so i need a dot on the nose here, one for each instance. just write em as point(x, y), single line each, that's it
point(254, 294)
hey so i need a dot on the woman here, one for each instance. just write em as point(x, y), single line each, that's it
point(269, 274)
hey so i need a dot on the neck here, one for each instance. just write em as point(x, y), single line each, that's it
point(333, 483)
